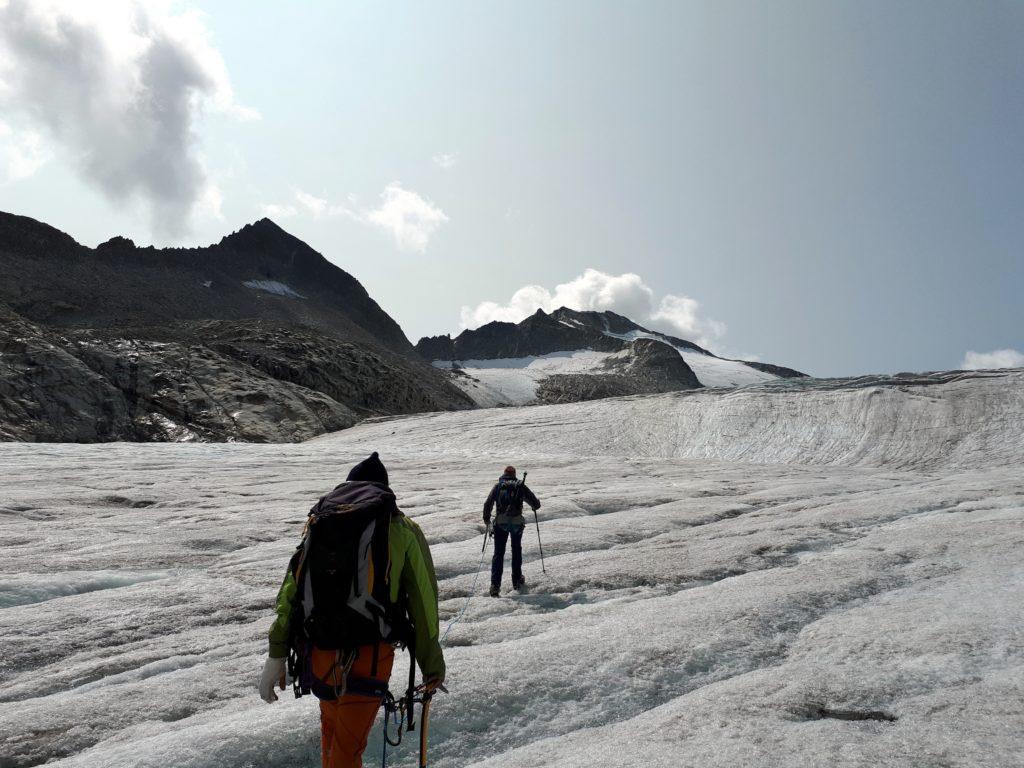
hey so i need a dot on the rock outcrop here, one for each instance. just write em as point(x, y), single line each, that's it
point(48, 394)
point(647, 366)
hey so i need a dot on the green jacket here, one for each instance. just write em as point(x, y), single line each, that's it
point(412, 564)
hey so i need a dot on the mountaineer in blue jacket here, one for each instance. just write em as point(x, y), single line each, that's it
point(508, 495)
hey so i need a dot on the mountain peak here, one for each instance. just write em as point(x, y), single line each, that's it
point(114, 285)
point(266, 224)
point(261, 231)
point(118, 243)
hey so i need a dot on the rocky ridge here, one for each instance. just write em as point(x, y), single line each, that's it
point(257, 338)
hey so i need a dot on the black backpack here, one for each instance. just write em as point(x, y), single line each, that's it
point(509, 501)
point(342, 576)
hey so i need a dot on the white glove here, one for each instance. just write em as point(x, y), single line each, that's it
point(273, 672)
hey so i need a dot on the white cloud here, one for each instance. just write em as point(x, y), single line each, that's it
point(998, 358)
point(626, 294)
point(304, 203)
point(211, 201)
point(119, 87)
point(22, 153)
point(410, 218)
point(680, 316)
point(275, 211)
point(446, 160)
point(315, 205)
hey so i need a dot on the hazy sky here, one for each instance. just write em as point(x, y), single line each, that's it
point(837, 186)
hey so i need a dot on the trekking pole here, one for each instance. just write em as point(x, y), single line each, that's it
point(536, 523)
point(539, 545)
point(487, 535)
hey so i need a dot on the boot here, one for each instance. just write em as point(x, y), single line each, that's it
point(495, 590)
point(521, 586)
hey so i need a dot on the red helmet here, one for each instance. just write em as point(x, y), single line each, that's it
point(510, 470)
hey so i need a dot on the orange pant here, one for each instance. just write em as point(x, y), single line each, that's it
point(345, 723)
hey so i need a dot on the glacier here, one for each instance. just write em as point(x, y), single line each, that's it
point(793, 573)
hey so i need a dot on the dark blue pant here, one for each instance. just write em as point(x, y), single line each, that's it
point(501, 536)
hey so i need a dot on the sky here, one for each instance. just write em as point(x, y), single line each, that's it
point(832, 186)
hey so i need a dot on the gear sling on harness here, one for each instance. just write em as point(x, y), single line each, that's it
point(398, 711)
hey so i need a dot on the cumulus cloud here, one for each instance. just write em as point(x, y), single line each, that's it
point(682, 315)
point(410, 219)
point(118, 88)
point(998, 358)
point(407, 216)
point(626, 294)
point(446, 160)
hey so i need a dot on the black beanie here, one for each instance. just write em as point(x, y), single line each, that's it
point(370, 470)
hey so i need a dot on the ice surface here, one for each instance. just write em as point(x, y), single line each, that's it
point(731, 577)
point(22, 588)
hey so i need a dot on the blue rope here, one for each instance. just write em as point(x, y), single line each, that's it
point(472, 592)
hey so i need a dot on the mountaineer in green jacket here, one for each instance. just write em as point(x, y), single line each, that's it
point(361, 582)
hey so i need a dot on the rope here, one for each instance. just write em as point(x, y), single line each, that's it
point(396, 709)
point(472, 593)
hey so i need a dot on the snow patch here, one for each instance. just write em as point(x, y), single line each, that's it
point(274, 287)
point(716, 372)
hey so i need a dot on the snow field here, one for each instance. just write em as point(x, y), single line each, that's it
point(514, 381)
point(698, 610)
point(716, 372)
